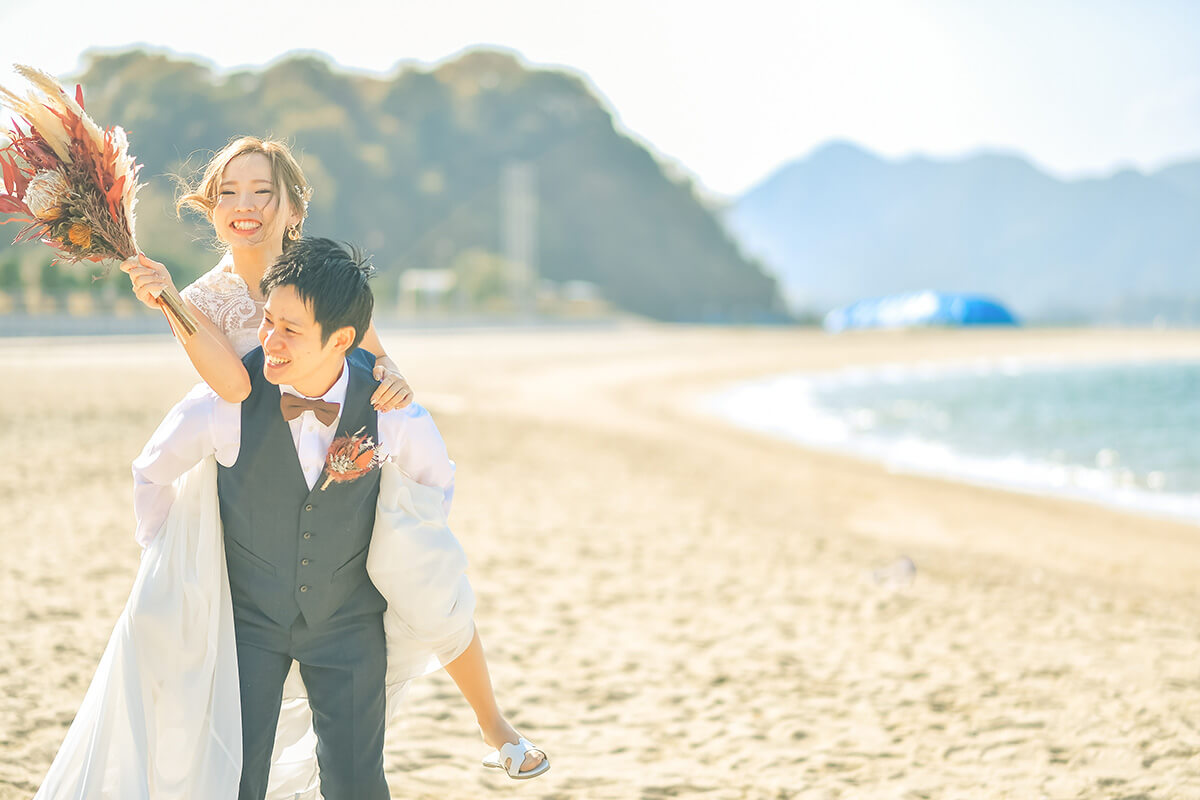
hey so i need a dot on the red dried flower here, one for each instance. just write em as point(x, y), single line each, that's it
point(350, 457)
point(89, 214)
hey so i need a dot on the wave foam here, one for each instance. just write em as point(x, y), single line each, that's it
point(786, 407)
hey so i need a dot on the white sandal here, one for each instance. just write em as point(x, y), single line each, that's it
point(515, 755)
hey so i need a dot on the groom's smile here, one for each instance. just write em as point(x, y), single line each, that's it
point(292, 342)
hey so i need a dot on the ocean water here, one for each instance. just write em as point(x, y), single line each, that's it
point(1125, 435)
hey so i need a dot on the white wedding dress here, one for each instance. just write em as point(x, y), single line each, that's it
point(161, 719)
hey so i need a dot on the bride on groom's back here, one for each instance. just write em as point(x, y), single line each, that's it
point(255, 195)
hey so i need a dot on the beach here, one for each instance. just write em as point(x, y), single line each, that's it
point(671, 606)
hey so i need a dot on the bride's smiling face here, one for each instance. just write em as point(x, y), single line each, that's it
point(250, 209)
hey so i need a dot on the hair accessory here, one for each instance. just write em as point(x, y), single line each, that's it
point(305, 194)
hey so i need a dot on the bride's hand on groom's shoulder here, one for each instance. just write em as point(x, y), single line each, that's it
point(148, 277)
point(394, 391)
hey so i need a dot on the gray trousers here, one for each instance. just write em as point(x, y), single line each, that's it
point(343, 663)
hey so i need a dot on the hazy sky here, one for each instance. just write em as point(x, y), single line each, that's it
point(731, 91)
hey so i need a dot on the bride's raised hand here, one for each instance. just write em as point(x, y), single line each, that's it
point(149, 278)
point(394, 391)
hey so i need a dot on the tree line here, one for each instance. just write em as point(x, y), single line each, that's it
point(411, 167)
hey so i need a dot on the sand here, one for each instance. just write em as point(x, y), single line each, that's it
point(673, 607)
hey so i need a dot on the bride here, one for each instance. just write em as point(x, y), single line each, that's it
point(162, 715)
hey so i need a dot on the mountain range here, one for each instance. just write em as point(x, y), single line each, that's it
point(845, 224)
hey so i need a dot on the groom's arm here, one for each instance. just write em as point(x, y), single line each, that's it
point(410, 438)
point(196, 427)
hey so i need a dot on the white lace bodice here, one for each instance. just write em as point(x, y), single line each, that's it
point(223, 297)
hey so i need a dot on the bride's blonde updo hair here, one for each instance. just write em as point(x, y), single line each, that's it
point(202, 196)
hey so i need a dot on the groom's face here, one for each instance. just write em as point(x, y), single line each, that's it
point(291, 340)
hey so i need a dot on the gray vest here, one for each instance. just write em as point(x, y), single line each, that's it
point(293, 551)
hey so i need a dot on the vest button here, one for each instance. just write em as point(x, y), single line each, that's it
point(304, 563)
point(304, 588)
point(308, 534)
point(308, 507)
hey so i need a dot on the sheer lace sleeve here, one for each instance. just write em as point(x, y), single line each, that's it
point(224, 298)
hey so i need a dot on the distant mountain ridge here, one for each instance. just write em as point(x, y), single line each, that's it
point(844, 224)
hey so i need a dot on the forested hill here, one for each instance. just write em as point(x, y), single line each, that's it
point(410, 168)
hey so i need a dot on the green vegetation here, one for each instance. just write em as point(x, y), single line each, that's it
point(410, 168)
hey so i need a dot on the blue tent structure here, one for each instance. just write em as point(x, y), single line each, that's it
point(919, 309)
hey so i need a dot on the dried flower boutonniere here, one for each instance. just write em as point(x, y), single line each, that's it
point(350, 457)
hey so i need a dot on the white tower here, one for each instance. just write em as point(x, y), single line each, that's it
point(518, 213)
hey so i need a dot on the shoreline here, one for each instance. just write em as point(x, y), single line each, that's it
point(956, 467)
point(145, 324)
point(672, 605)
point(1162, 539)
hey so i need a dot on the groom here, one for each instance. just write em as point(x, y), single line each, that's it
point(296, 540)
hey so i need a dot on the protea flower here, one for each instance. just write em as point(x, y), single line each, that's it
point(350, 457)
point(74, 184)
point(47, 194)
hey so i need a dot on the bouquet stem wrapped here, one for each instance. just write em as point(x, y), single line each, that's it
point(73, 184)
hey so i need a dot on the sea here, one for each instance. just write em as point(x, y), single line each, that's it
point(1125, 435)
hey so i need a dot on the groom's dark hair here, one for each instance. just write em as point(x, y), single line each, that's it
point(331, 279)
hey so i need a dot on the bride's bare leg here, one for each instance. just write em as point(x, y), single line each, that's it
point(470, 672)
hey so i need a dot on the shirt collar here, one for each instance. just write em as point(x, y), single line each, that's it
point(336, 393)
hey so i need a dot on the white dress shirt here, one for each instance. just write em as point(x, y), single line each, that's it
point(203, 424)
point(312, 439)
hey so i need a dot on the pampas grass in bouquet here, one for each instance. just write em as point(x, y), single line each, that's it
point(73, 184)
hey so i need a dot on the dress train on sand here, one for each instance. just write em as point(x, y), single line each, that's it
point(161, 719)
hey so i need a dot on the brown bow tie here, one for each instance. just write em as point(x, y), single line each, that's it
point(293, 406)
